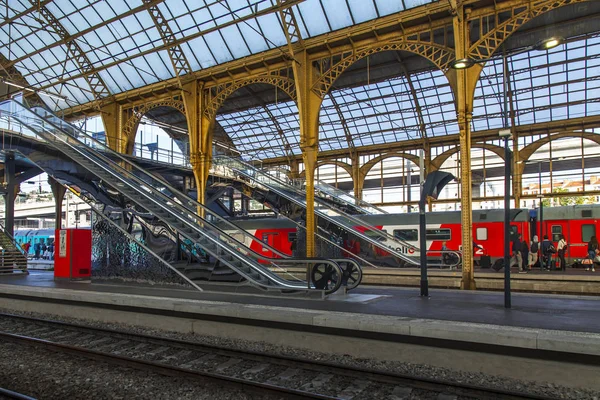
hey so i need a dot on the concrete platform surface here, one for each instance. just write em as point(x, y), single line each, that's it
point(450, 329)
point(545, 311)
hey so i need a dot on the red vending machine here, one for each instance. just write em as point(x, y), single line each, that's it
point(73, 254)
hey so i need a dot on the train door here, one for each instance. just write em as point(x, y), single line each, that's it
point(556, 229)
point(269, 238)
point(580, 234)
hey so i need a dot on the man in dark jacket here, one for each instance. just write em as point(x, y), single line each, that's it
point(546, 253)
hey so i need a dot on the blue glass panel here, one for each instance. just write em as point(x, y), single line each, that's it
point(272, 30)
point(362, 10)
point(386, 7)
point(111, 82)
point(235, 43)
point(314, 18)
point(337, 13)
point(218, 47)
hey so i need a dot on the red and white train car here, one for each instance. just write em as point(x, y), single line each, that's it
point(577, 223)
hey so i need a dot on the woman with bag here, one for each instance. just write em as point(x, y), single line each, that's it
point(561, 249)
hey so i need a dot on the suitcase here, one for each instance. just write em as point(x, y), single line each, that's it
point(485, 262)
point(498, 264)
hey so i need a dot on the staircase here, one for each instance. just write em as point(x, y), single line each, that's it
point(12, 257)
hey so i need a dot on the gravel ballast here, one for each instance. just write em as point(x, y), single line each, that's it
point(418, 370)
point(45, 374)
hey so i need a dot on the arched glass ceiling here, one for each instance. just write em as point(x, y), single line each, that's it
point(119, 36)
point(387, 112)
point(259, 133)
point(379, 113)
point(548, 86)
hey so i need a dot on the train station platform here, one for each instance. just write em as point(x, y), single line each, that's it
point(447, 329)
point(572, 281)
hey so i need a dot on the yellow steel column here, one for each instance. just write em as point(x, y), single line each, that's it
point(199, 128)
point(466, 80)
point(357, 177)
point(309, 104)
point(112, 118)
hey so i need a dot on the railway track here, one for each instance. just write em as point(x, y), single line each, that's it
point(265, 374)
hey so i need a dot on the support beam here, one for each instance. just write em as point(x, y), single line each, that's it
point(465, 79)
point(11, 193)
point(58, 191)
point(309, 104)
point(200, 130)
point(112, 118)
point(358, 177)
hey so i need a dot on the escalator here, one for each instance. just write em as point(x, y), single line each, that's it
point(325, 190)
point(339, 216)
point(178, 211)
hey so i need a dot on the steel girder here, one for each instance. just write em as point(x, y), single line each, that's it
point(97, 85)
point(181, 65)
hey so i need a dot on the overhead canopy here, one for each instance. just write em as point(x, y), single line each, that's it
point(92, 49)
point(58, 44)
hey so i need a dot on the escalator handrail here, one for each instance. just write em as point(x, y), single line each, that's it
point(176, 193)
point(232, 250)
point(331, 190)
point(351, 218)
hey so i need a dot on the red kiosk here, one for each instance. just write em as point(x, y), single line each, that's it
point(73, 254)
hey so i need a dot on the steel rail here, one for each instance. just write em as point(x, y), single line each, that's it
point(438, 385)
point(5, 393)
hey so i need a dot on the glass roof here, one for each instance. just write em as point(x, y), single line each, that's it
point(119, 36)
point(547, 86)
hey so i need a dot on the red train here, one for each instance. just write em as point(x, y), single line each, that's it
point(577, 223)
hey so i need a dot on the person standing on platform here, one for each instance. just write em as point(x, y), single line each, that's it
point(593, 249)
point(517, 257)
point(36, 250)
point(533, 252)
point(27, 246)
point(562, 249)
point(547, 252)
point(525, 255)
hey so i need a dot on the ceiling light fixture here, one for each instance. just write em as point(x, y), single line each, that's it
point(34, 90)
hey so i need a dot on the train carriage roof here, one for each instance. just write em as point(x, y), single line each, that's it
point(584, 211)
point(447, 217)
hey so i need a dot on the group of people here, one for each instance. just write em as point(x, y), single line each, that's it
point(523, 253)
point(40, 250)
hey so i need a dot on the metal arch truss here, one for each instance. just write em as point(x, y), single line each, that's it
point(97, 85)
point(438, 54)
point(129, 129)
point(180, 63)
point(218, 94)
point(290, 27)
point(490, 41)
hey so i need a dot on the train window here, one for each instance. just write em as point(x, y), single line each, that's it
point(587, 231)
point(481, 234)
point(556, 232)
point(406, 234)
point(292, 236)
point(438, 234)
point(376, 234)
